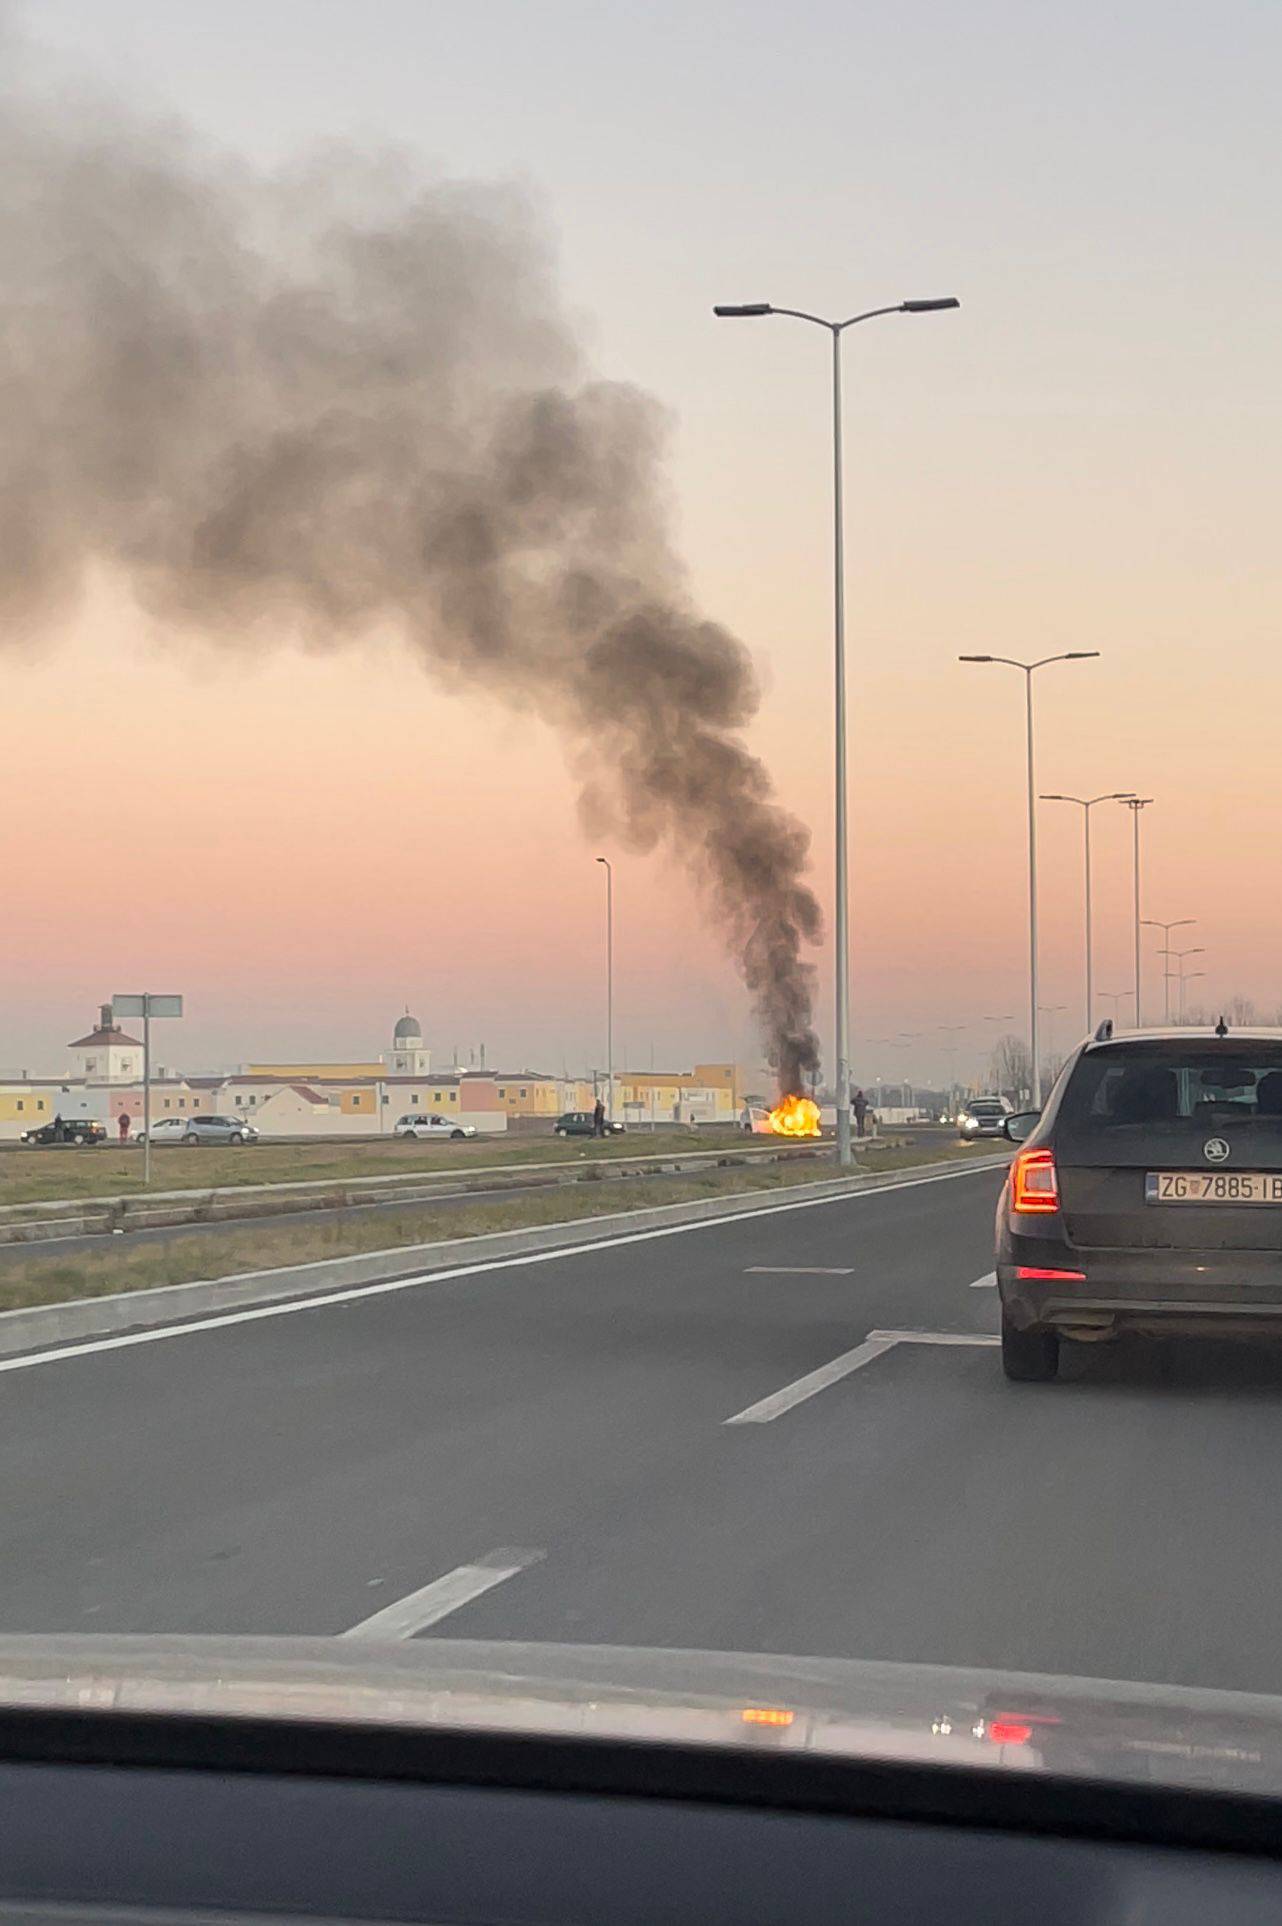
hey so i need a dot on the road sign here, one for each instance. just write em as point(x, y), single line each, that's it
point(146, 1005)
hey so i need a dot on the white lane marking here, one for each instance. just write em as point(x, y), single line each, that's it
point(936, 1337)
point(357, 1291)
point(780, 1401)
point(800, 1270)
point(875, 1345)
point(988, 1282)
point(431, 1603)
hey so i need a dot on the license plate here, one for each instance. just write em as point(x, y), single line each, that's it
point(1212, 1187)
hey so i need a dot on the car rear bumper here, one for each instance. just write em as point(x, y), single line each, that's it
point(1154, 1291)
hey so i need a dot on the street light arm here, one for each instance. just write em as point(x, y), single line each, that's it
point(751, 310)
point(870, 314)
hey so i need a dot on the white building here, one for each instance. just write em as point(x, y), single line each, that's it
point(407, 1056)
point(106, 1055)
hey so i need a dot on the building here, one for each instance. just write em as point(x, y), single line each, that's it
point(710, 1093)
point(528, 1093)
point(407, 1057)
point(106, 1055)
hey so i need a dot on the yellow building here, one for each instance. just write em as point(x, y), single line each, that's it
point(708, 1092)
point(23, 1105)
point(527, 1094)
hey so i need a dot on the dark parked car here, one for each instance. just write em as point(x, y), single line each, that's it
point(66, 1130)
point(1147, 1196)
point(578, 1123)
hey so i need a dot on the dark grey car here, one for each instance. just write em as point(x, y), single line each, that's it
point(1147, 1196)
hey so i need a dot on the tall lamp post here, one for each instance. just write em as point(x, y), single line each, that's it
point(752, 310)
point(1154, 923)
point(1028, 670)
point(608, 866)
point(1086, 804)
point(1199, 949)
point(904, 1038)
point(1135, 804)
point(1183, 981)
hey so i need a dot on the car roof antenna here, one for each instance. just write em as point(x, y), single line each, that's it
point(1221, 1028)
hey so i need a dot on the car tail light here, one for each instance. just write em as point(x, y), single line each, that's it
point(1033, 1185)
point(1053, 1276)
point(1009, 1731)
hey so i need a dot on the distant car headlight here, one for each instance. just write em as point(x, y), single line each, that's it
point(970, 1123)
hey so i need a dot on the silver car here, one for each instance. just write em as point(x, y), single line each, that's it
point(201, 1130)
point(424, 1125)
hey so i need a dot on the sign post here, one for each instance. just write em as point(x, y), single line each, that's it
point(146, 1005)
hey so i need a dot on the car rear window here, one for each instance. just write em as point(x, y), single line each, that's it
point(1172, 1091)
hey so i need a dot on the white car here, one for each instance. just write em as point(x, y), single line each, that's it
point(432, 1124)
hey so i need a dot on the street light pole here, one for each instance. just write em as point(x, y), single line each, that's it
point(1198, 949)
point(1086, 804)
point(1115, 997)
point(609, 985)
point(1029, 669)
point(1135, 804)
point(750, 311)
point(1180, 923)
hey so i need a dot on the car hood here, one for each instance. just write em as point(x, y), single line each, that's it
point(1020, 1722)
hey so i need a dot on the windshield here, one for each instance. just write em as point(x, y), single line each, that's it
point(513, 1006)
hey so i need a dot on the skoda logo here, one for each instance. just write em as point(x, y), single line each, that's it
point(1215, 1150)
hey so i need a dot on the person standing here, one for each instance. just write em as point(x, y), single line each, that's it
point(859, 1104)
point(598, 1118)
point(124, 1122)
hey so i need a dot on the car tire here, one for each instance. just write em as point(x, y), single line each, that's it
point(560, 1133)
point(1030, 1356)
point(190, 1137)
point(236, 1138)
point(456, 1136)
point(79, 1138)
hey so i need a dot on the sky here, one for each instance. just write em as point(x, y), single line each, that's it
point(1084, 456)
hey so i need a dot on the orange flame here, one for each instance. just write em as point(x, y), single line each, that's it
point(795, 1117)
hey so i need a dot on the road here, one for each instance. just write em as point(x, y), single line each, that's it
point(541, 1450)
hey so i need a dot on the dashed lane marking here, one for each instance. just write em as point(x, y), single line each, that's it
point(875, 1345)
point(431, 1603)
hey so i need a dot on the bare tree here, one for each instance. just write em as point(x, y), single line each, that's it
point(1011, 1067)
point(1240, 1009)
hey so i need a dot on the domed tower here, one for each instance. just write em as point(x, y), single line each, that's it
point(407, 1056)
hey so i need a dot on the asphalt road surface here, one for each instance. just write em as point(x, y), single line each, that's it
point(684, 1439)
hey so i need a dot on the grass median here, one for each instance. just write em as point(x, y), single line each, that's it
point(40, 1176)
point(122, 1266)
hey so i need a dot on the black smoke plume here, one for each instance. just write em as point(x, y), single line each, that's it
point(345, 399)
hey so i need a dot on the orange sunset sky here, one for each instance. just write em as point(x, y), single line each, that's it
point(1084, 457)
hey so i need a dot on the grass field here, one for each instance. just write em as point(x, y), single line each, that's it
point(121, 1266)
point(35, 1176)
